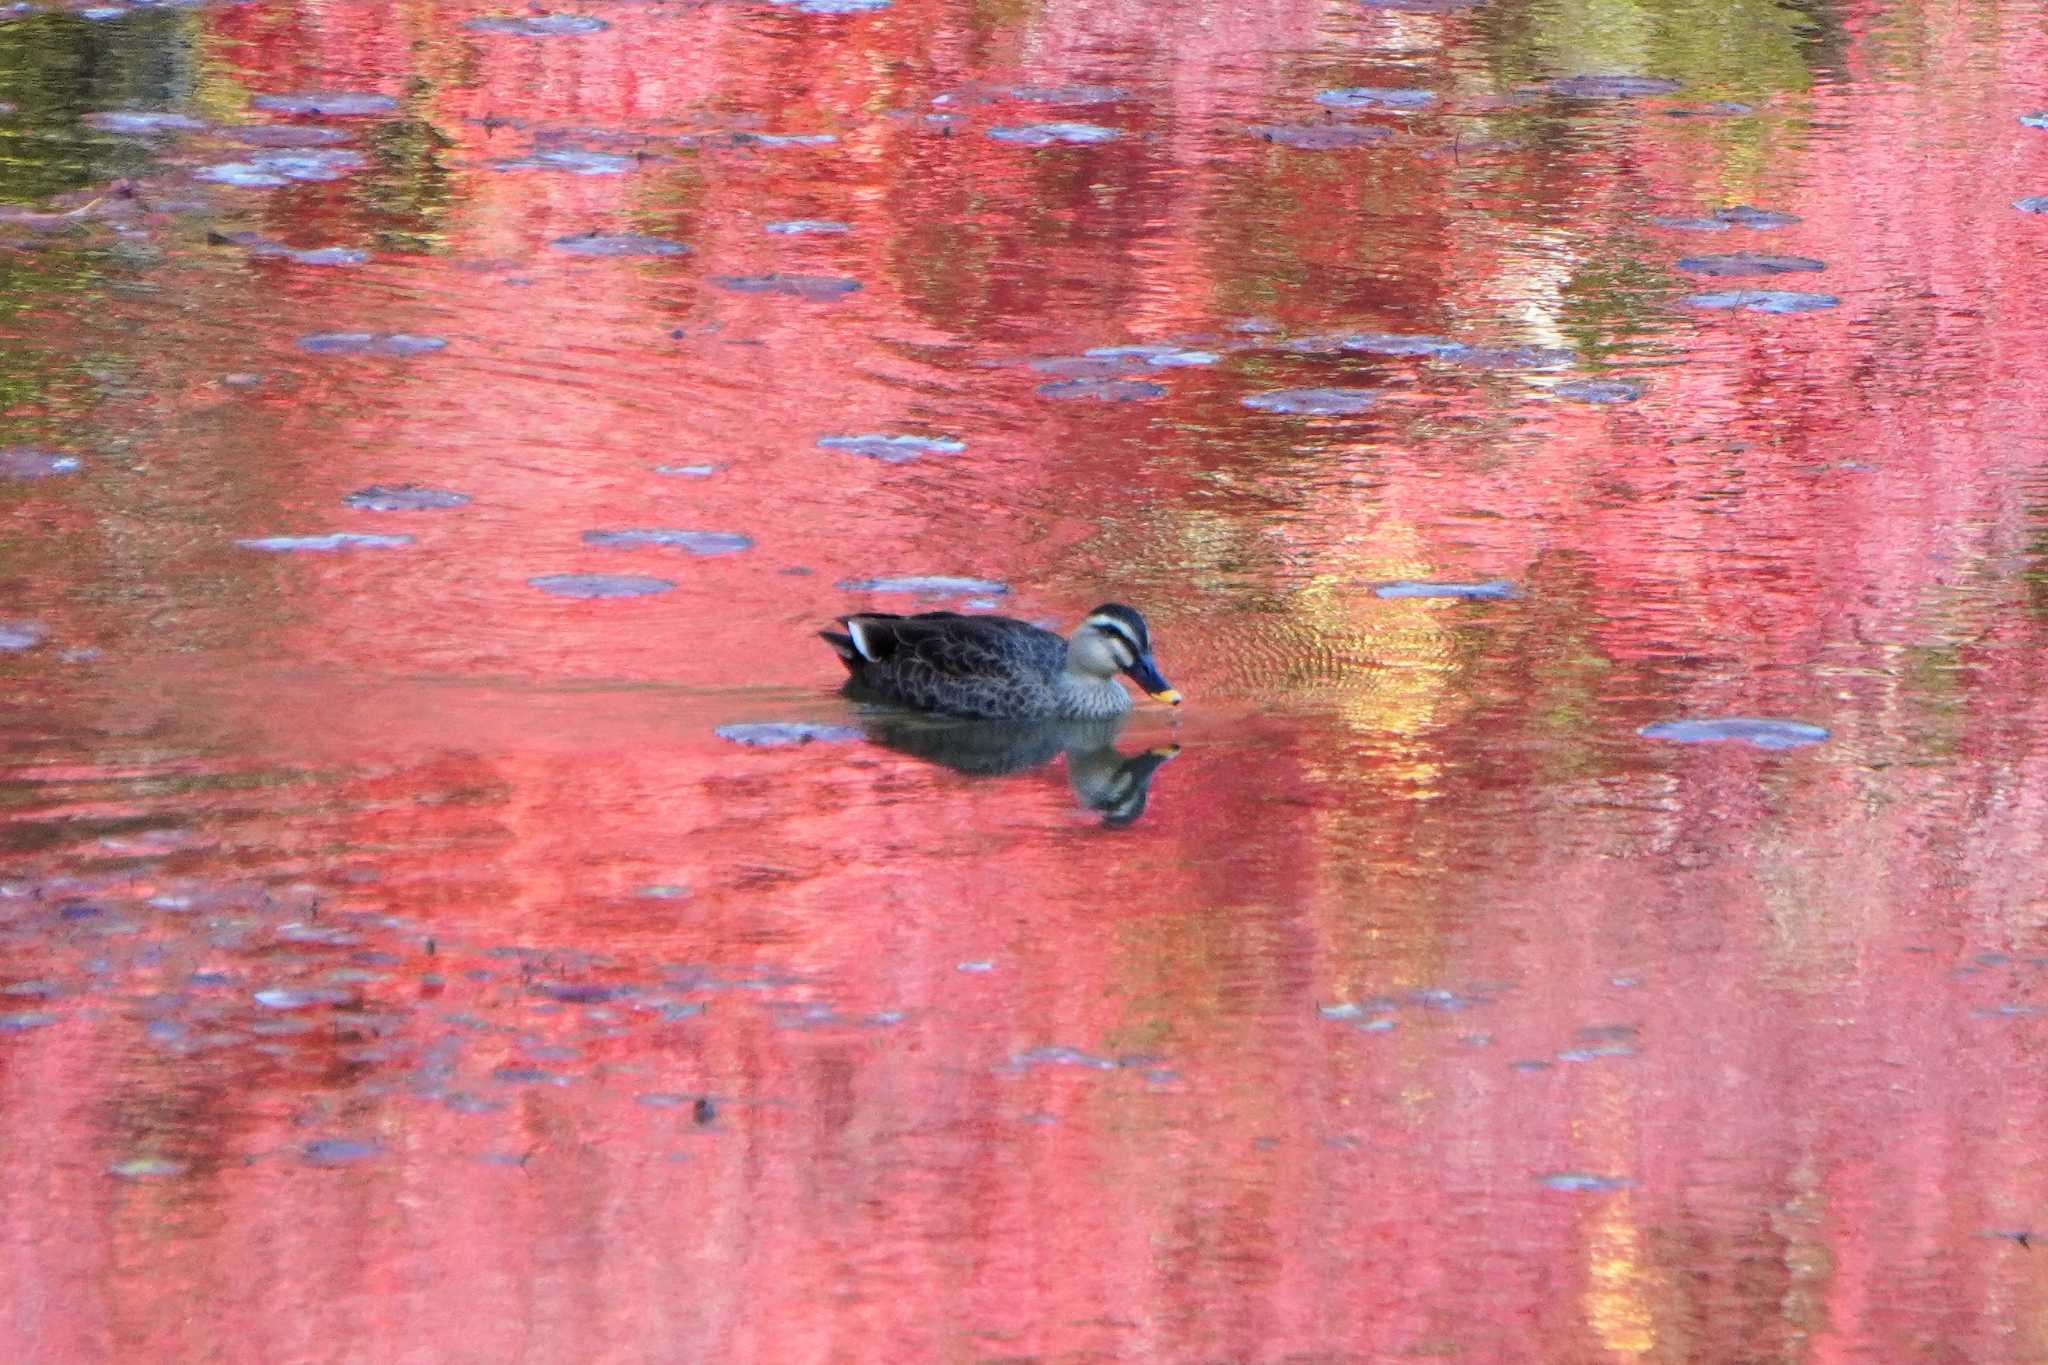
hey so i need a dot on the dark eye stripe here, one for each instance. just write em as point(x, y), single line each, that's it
point(1116, 628)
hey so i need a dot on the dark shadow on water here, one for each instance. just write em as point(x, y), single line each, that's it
point(1105, 779)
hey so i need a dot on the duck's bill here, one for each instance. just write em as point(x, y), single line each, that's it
point(1146, 675)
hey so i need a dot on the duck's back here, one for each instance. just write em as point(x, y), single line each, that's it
point(987, 667)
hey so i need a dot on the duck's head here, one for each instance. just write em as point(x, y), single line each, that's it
point(1114, 640)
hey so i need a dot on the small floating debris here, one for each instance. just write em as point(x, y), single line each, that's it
point(1054, 134)
point(1102, 390)
point(1320, 137)
point(1397, 344)
point(1158, 357)
point(1749, 263)
point(142, 122)
point(256, 244)
point(1490, 590)
point(538, 25)
point(592, 586)
point(293, 998)
point(23, 464)
point(1761, 734)
point(696, 542)
point(281, 168)
point(286, 135)
point(1376, 97)
point(16, 636)
point(327, 104)
point(569, 161)
point(893, 449)
point(147, 1168)
point(1760, 220)
point(405, 497)
point(784, 734)
point(807, 227)
point(1766, 300)
point(815, 288)
point(927, 585)
point(1600, 390)
point(338, 1152)
point(1612, 87)
point(618, 244)
point(340, 540)
point(1313, 402)
point(1576, 1183)
point(2033, 203)
point(832, 6)
point(396, 344)
point(1507, 357)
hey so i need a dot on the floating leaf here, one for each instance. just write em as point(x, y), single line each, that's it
point(1313, 402)
point(782, 734)
point(599, 585)
point(893, 449)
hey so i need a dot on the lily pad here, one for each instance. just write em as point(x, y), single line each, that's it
point(394, 344)
point(340, 540)
point(815, 288)
point(1575, 1183)
point(24, 463)
point(1313, 402)
point(1376, 97)
point(569, 161)
point(928, 585)
point(1761, 734)
point(696, 542)
point(591, 586)
point(142, 122)
point(338, 1152)
point(287, 135)
point(1102, 390)
point(1320, 137)
point(405, 497)
point(1763, 301)
point(807, 227)
point(1760, 220)
point(618, 244)
point(328, 104)
point(784, 734)
point(1612, 87)
point(1490, 590)
point(1507, 357)
point(1157, 357)
point(1391, 343)
point(1600, 390)
point(893, 449)
point(1054, 134)
point(538, 25)
point(1750, 263)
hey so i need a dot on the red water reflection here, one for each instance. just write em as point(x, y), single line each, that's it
point(1428, 1012)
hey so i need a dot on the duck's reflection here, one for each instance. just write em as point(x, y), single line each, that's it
point(1104, 778)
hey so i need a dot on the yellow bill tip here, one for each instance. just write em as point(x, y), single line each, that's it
point(1169, 696)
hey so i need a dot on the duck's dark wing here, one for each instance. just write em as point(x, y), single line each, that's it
point(942, 660)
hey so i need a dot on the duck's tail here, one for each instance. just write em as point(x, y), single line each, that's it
point(842, 645)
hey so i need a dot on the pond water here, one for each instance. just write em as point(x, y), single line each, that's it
point(1586, 909)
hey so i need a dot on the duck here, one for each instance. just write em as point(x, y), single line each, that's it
point(1000, 668)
